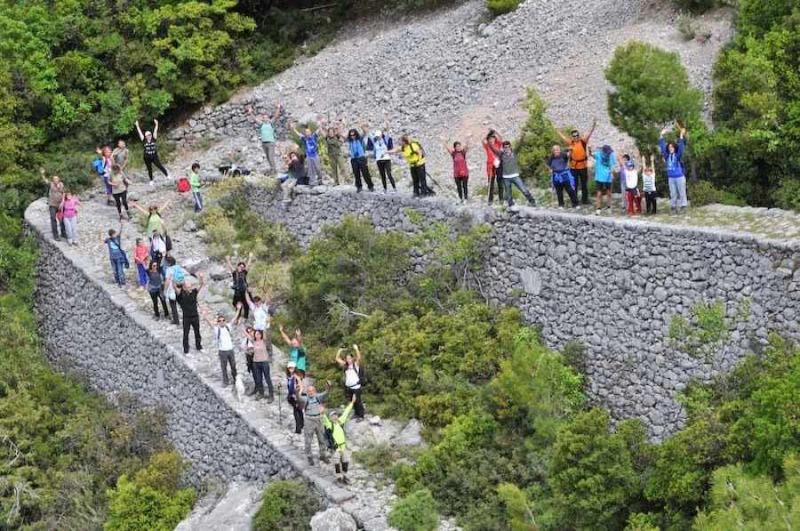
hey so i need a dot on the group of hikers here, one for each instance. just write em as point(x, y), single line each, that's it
point(569, 165)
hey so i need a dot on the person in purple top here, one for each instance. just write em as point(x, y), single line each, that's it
point(310, 140)
point(562, 176)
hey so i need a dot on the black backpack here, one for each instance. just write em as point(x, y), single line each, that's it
point(329, 438)
point(362, 375)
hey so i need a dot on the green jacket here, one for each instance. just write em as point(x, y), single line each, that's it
point(338, 427)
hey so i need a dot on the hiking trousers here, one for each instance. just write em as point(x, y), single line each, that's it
point(194, 323)
point(510, 182)
point(55, 224)
point(360, 169)
point(314, 171)
point(312, 426)
point(496, 178)
point(226, 358)
point(582, 183)
point(358, 407)
point(385, 169)
point(153, 160)
point(650, 201)
point(560, 187)
point(269, 151)
point(419, 181)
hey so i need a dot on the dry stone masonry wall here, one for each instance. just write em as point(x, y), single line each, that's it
point(96, 331)
point(613, 285)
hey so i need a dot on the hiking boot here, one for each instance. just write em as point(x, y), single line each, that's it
point(325, 459)
point(270, 400)
point(345, 480)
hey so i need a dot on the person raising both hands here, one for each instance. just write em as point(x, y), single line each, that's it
point(151, 150)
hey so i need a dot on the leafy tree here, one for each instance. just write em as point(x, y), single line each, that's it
point(595, 475)
point(152, 500)
point(536, 139)
point(650, 89)
point(288, 505)
point(415, 512)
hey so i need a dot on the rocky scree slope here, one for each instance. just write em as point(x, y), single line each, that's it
point(453, 73)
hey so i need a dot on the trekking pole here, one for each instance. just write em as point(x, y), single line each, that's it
point(280, 409)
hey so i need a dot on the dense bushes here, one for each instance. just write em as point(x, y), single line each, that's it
point(536, 140)
point(152, 499)
point(501, 7)
point(415, 512)
point(286, 506)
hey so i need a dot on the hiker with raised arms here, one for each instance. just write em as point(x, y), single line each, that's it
point(562, 177)
point(239, 279)
point(579, 159)
point(334, 425)
point(223, 338)
point(297, 354)
point(333, 145)
point(69, 212)
point(312, 404)
point(494, 169)
point(353, 378)
point(460, 169)
point(310, 140)
point(673, 158)
point(266, 131)
point(605, 162)
point(187, 296)
point(511, 176)
point(380, 144)
point(154, 221)
point(151, 150)
point(293, 381)
point(155, 287)
point(55, 195)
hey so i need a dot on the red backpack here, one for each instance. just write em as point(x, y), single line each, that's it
point(183, 184)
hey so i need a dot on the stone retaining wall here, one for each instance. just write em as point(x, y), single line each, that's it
point(613, 285)
point(96, 330)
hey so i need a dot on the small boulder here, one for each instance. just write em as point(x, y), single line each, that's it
point(333, 519)
point(190, 226)
point(410, 435)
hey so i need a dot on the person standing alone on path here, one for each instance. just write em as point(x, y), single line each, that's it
point(673, 158)
point(267, 132)
point(353, 378)
point(460, 171)
point(151, 151)
point(310, 140)
point(312, 403)
point(494, 169)
point(579, 159)
point(55, 195)
point(194, 182)
point(187, 296)
point(223, 338)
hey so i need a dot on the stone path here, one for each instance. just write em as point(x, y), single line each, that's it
point(366, 499)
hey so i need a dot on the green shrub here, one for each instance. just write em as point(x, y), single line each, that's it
point(501, 7)
point(705, 193)
point(286, 506)
point(152, 500)
point(650, 88)
point(787, 195)
point(415, 512)
point(536, 140)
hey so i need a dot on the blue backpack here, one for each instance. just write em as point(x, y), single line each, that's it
point(98, 167)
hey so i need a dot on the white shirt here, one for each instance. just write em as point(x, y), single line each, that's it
point(649, 182)
point(224, 339)
point(260, 317)
point(351, 379)
point(631, 178)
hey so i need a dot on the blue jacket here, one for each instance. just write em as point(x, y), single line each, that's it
point(674, 161)
point(356, 148)
point(388, 145)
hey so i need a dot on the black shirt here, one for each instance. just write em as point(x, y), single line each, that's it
point(150, 148)
point(239, 281)
point(188, 302)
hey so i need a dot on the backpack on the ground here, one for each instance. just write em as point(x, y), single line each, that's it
point(183, 184)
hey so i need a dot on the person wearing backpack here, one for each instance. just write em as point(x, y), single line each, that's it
point(337, 439)
point(173, 276)
point(460, 169)
point(223, 337)
point(380, 145)
point(293, 381)
point(353, 378)
point(415, 157)
point(240, 289)
point(579, 159)
point(118, 258)
point(673, 158)
point(605, 161)
point(311, 403)
point(155, 287)
point(562, 177)
point(151, 151)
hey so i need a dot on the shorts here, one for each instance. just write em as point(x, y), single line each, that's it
point(602, 187)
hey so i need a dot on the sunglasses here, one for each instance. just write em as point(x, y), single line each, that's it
point(575, 135)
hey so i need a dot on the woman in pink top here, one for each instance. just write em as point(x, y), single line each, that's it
point(69, 209)
point(140, 255)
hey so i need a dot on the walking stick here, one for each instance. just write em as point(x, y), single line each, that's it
point(280, 409)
